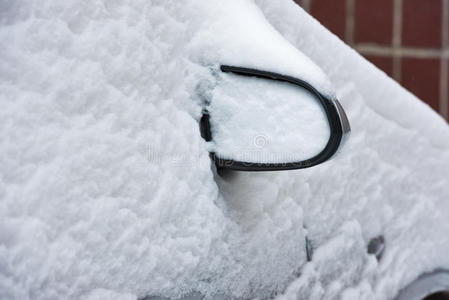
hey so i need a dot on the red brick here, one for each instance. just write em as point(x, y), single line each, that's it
point(374, 21)
point(421, 76)
point(384, 63)
point(421, 23)
point(447, 97)
point(332, 14)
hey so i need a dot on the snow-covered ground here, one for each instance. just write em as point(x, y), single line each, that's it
point(107, 190)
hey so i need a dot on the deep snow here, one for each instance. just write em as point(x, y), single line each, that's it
point(106, 186)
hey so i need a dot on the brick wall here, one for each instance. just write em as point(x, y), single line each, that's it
point(407, 39)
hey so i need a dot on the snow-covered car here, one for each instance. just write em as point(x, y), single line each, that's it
point(108, 189)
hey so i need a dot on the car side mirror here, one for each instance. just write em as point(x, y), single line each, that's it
point(264, 121)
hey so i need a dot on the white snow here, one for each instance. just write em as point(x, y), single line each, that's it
point(260, 120)
point(107, 189)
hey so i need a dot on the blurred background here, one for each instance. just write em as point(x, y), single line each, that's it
point(407, 39)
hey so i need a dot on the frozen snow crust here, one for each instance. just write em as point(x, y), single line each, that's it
point(106, 187)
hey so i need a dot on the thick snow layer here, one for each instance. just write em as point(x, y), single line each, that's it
point(107, 189)
point(260, 120)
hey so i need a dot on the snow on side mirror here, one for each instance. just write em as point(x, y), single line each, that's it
point(264, 121)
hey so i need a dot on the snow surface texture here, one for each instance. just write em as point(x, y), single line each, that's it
point(260, 120)
point(107, 190)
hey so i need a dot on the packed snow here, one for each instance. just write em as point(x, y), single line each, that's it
point(107, 190)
